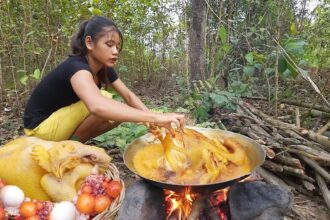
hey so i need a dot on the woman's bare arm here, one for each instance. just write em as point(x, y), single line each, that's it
point(130, 98)
point(86, 89)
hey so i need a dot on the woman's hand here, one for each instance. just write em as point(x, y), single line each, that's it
point(167, 120)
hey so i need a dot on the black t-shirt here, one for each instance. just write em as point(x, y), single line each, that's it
point(55, 91)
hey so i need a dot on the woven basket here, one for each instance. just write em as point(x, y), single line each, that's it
point(112, 211)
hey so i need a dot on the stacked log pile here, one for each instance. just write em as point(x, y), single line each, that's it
point(297, 158)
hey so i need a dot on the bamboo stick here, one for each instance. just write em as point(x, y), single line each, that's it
point(319, 114)
point(325, 141)
point(324, 128)
point(297, 113)
point(286, 170)
point(286, 160)
point(306, 105)
point(322, 160)
point(324, 190)
point(309, 150)
point(297, 187)
point(316, 167)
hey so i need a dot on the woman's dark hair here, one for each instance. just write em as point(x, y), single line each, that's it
point(95, 27)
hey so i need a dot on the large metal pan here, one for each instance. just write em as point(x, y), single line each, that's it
point(253, 150)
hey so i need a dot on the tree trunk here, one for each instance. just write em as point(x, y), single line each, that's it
point(215, 40)
point(196, 40)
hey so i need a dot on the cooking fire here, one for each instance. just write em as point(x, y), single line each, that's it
point(196, 206)
point(205, 160)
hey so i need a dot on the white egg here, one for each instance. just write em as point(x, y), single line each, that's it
point(63, 210)
point(11, 196)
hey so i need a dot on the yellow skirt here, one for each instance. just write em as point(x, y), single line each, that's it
point(61, 125)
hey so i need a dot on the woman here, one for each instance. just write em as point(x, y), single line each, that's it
point(68, 102)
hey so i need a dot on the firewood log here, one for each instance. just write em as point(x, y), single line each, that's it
point(324, 189)
point(316, 167)
point(286, 160)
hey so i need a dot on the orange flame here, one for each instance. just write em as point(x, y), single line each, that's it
point(217, 200)
point(179, 205)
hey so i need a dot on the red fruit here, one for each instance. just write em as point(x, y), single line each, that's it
point(86, 189)
point(113, 189)
point(34, 217)
point(28, 209)
point(105, 184)
point(85, 203)
point(102, 202)
point(2, 213)
point(39, 205)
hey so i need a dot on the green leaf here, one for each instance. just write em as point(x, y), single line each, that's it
point(289, 92)
point(293, 69)
point(219, 56)
point(123, 68)
point(260, 58)
point(139, 130)
point(95, 11)
point(282, 64)
point(258, 66)
point(121, 143)
point(268, 71)
point(36, 74)
point(223, 34)
point(182, 110)
point(24, 79)
point(101, 138)
point(286, 74)
point(248, 70)
point(30, 33)
point(201, 113)
point(249, 58)
point(295, 47)
point(219, 100)
point(293, 28)
point(208, 86)
point(226, 48)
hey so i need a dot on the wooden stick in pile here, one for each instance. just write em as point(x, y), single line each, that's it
point(286, 160)
point(325, 141)
point(316, 167)
point(289, 150)
point(319, 156)
point(324, 189)
point(277, 168)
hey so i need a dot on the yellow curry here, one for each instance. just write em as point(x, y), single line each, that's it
point(191, 158)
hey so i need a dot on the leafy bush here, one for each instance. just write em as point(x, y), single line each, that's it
point(125, 133)
point(206, 97)
point(120, 136)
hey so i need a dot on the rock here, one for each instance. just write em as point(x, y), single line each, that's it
point(142, 202)
point(258, 201)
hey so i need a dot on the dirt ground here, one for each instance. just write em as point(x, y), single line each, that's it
point(304, 207)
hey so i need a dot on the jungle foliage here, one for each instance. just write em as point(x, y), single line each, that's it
point(250, 48)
